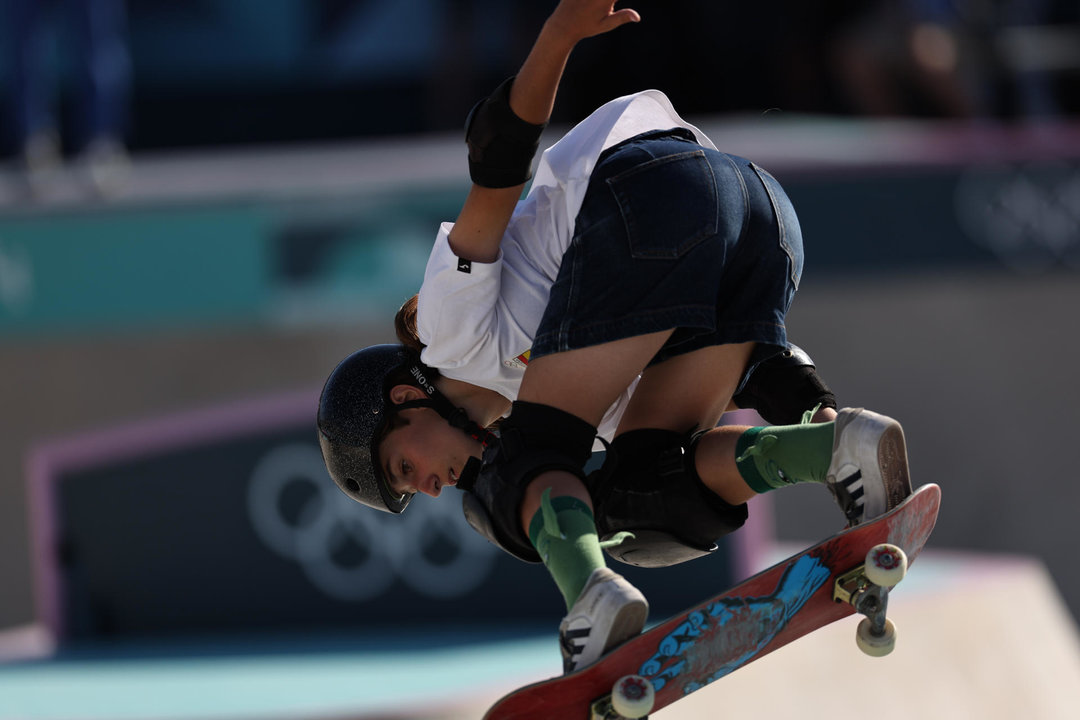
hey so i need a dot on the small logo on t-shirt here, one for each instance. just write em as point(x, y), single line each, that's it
point(520, 362)
point(464, 266)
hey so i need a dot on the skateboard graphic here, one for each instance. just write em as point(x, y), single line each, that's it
point(847, 573)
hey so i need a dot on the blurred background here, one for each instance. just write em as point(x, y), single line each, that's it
point(205, 205)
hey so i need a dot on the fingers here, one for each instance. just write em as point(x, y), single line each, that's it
point(621, 17)
point(628, 15)
point(586, 18)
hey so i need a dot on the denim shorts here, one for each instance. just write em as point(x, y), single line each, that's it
point(672, 235)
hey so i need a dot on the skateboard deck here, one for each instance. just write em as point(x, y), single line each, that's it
point(765, 612)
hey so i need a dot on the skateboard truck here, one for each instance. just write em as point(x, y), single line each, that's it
point(866, 588)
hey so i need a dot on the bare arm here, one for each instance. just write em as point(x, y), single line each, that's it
point(480, 226)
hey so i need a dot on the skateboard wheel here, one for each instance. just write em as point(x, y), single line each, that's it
point(886, 565)
point(632, 696)
point(873, 644)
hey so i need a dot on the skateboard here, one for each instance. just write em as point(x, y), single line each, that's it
point(851, 572)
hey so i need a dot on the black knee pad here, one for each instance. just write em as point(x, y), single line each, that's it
point(648, 486)
point(533, 440)
point(783, 387)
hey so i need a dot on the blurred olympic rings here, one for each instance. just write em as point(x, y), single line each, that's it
point(1027, 215)
point(352, 553)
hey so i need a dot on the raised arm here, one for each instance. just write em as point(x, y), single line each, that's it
point(487, 210)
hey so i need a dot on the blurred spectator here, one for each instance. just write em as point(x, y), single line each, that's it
point(1026, 51)
point(904, 57)
point(96, 52)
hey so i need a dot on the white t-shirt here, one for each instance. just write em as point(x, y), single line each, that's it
point(479, 325)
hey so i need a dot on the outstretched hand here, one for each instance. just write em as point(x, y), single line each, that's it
point(579, 19)
point(480, 226)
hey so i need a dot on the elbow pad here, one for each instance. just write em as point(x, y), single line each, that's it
point(501, 145)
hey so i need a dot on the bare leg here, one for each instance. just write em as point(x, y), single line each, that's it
point(585, 383)
point(715, 464)
point(692, 391)
point(686, 392)
point(715, 460)
point(689, 391)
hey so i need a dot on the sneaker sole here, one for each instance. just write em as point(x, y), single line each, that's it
point(628, 623)
point(892, 459)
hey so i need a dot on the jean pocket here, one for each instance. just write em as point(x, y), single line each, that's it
point(668, 205)
point(787, 222)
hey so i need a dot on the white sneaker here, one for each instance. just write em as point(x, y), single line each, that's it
point(42, 161)
point(868, 474)
point(608, 612)
point(106, 167)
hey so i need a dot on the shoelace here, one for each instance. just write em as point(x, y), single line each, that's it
point(761, 445)
point(764, 442)
point(551, 527)
point(617, 539)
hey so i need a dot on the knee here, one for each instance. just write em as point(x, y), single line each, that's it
point(783, 387)
point(650, 487)
point(561, 483)
point(539, 446)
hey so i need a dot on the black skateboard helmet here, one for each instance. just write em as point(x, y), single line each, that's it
point(355, 412)
point(353, 416)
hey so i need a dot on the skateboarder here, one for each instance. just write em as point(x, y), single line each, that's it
point(639, 287)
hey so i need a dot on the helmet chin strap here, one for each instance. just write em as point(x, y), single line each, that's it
point(456, 417)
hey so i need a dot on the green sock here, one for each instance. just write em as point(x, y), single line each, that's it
point(777, 456)
point(563, 531)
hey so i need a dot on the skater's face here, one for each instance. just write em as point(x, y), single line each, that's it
point(422, 453)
